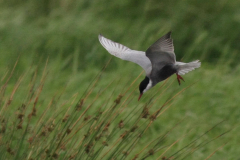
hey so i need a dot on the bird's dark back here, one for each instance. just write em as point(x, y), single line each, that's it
point(159, 59)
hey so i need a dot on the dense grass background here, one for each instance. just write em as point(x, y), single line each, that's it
point(65, 32)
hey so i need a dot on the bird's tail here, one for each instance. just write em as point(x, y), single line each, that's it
point(184, 68)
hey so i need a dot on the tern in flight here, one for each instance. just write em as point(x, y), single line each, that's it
point(159, 61)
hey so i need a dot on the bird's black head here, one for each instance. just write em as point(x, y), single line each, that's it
point(143, 86)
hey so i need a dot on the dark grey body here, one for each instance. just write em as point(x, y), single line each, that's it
point(162, 57)
point(159, 75)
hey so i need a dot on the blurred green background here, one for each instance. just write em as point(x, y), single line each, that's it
point(201, 29)
point(66, 32)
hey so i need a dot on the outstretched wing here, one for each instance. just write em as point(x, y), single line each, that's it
point(126, 53)
point(162, 52)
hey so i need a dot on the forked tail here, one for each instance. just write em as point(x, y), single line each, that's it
point(184, 68)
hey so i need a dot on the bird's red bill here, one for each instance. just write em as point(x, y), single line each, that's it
point(140, 96)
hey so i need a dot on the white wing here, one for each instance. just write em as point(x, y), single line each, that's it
point(184, 68)
point(126, 53)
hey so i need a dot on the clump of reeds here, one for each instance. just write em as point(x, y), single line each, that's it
point(33, 129)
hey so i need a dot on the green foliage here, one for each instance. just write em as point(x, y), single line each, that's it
point(43, 116)
point(202, 29)
point(38, 104)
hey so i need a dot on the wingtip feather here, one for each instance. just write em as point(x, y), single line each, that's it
point(100, 36)
point(169, 34)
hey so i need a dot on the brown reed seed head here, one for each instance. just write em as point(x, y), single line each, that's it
point(34, 111)
point(165, 158)
point(3, 128)
point(86, 118)
point(43, 133)
point(51, 128)
point(151, 152)
point(118, 100)
point(106, 127)
point(63, 147)
point(135, 157)
point(126, 153)
point(98, 137)
point(69, 131)
point(85, 136)
point(2, 120)
point(88, 147)
point(30, 140)
point(121, 124)
point(23, 106)
point(153, 117)
point(105, 143)
point(20, 116)
point(59, 136)
point(79, 105)
point(9, 102)
point(72, 156)
point(30, 116)
point(133, 128)
point(47, 151)
point(65, 118)
point(98, 115)
point(10, 151)
point(55, 155)
point(19, 126)
point(124, 134)
point(145, 112)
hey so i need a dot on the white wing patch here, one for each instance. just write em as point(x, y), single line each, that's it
point(125, 53)
point(184, 68)
point(148, 86)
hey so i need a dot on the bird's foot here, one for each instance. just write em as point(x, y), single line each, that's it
point(178, 78)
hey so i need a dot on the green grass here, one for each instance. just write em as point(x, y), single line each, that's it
point(200, 29)
point(199, 125)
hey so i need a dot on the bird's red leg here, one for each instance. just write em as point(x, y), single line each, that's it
point(178, 78)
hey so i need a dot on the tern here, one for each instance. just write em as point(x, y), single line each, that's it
point(159, 61)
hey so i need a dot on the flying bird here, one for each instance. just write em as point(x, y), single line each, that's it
point(159, 61)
